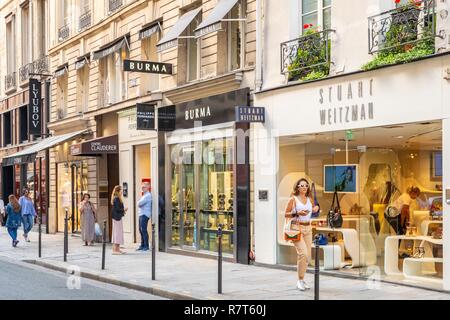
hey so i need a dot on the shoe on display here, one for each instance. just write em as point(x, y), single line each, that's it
point(301, 285)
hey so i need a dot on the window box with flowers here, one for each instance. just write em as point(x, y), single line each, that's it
point(308, 57)
point(402, 35)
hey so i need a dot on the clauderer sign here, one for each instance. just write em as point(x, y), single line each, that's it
point(35, 107)
point(147, 67)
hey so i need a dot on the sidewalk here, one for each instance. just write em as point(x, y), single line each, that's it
point(183, 277)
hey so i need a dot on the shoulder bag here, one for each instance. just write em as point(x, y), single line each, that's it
point(291, 231)
point(335, 215)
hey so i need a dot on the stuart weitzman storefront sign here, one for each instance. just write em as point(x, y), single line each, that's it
point(35, 107)
point(147, 67)
point(345, 103)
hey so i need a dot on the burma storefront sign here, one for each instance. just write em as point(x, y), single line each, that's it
point(145, 115)
point(250, 114)
point(147, 67)
point(35, 107)
point(103, 145)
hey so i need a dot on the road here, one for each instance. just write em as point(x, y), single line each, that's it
point(20, 281)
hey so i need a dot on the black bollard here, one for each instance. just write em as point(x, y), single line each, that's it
point(40, 236)
point(66, 240)
point(104, 245)
point(316, 269)
point(219, 237)
point(153, 253)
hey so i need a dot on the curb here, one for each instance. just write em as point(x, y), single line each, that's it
point(150, 290)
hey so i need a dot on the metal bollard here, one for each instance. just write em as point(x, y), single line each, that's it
point(219, 236)
point(40, 236)
point(104, 245)
point(66, 240)
point(153, 253)
point(316, 269)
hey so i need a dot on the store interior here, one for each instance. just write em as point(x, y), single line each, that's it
point(389, 184)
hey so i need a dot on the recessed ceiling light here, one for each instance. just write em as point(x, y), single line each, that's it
point(398, 137)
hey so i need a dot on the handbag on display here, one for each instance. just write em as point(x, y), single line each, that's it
point(391, 212)
point(316, 203)
point(322, 239)
point(291, 231)
point(334, 217)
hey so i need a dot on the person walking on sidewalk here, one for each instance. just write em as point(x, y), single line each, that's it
point(88, 219)
point(145, 212)
point(14, 218)
point(300, 208)
point(2, 213)
point(28, 213)
point(117, 212)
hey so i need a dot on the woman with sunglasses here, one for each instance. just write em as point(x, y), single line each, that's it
point(300, 208)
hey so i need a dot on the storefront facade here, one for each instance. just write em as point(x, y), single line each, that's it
point(370, 136)
point(206, 176)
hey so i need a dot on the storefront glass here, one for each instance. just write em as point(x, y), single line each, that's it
point(68, 189)
point(389, 184)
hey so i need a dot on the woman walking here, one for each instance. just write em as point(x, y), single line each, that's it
point(14, 218)
point(88, 219)
point(117, 213)
point(28, 213)
point(300, 208)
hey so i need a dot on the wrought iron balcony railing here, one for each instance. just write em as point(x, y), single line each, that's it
point(403, 26)
point(10, 81)
point(114, 5)
point(24, 72)
point(41, 65)
point(302, 54)
point(63, 33)
point(85, 21)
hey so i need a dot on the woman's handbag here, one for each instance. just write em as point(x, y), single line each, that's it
point(291, 231)
point(316, 203)
point(334, 217)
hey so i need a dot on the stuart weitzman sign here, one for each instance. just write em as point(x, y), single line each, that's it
point(35, 107)
point(147, 67)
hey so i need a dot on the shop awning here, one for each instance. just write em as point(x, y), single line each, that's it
point(81, 62)
point(150, 29)
point(170, 40)
point(96, 147)
point(110, 48)
point(213, 21)
point(62, 70)
point(29, 154)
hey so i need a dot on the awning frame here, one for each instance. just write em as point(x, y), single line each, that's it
point(110, 45)
point(60, 68)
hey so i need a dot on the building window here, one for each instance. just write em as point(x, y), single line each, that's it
point(150, 82)
point(113, 78)
point(7, 129)
point(64, 20)
point(62, 87)
point(25, 36)
point(23, 124)
point(11, 47)
point(83, 89)
point(193, 51)
point(316, 13)
point(235, 36)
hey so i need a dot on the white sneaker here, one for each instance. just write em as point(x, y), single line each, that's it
point(301, 285)
point(306, 285)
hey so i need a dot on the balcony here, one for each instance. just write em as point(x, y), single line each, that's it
point(24, 73)
point(63, 33)
point(308, 57)
point(10, 82)
point(41, 65)
point(85, 21)
point(114, 5)
point(403, 28)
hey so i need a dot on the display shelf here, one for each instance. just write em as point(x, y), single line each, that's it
point(209, 230)
point(217, 212)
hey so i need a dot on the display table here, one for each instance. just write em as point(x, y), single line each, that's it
point(332, 256)
point(391, 255)
point(361, 255)
point(414, 269)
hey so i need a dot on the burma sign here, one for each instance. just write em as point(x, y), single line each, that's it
point(35, 107)
point(147, 67)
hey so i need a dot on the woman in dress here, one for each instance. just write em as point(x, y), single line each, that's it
point(117, 212)
point(14, 220)
point(88, 219)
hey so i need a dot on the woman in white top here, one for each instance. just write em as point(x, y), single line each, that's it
point(300, 207)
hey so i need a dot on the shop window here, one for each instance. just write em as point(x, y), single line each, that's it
point(113, 78)
point(23, 124)
point(316, 13)
point(235, 35)
point(7, 129)
point(389, 184)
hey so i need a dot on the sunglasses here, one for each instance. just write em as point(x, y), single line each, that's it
point(303, 186)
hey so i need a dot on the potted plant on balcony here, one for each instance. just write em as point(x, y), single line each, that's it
point(310, 61)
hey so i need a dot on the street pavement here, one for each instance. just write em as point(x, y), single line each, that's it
point(184, 277)
point(21, 281)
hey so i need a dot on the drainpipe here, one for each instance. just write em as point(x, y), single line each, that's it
point(259, 45)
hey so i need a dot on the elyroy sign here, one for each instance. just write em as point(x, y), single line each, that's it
point(35, 107)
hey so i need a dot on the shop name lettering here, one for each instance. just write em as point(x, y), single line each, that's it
point(351, 111)
point(97, 146)
point(197, 113)
point(35, 105)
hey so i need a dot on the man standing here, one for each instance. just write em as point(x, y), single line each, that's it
point(145, 212)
